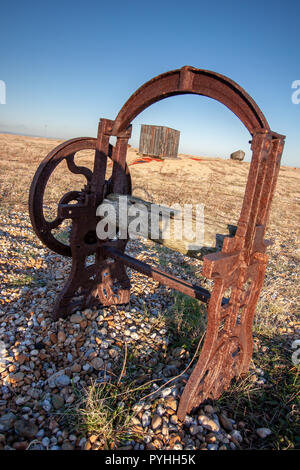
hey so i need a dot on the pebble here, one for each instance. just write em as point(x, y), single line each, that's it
point(46, 405)
point(7, 421)
point(160, 410)
point(97, 363)
point(156, 422)
point(57, 401)
point(237, 435)
point(212, 446)
point(225, 422)
point(209, 409)
point(165, 392)
point(263, 432)
point(194, 429)
point(22, 445)
point(76, 318)
point(25, 429)
point(21, 400)
point(146, 419)
point(173, 419)
point(62, 380)
point(135, 421)
point(208, 423)
point(76, 368)
point(178, 446)
point(113, 353)
point(171, 403)
point(67, 446)
point(46, 441)
point(61, 336)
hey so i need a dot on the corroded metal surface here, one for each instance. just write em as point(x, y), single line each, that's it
point(239, 267)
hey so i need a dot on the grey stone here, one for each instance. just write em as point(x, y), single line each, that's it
point(208, 423)
point(113, 353)
point(46, 405)
point(57, 401)
point(178, 446)
point(236, 435)
point(62, 380)
point(225, 423)
point(209, 409)
point(97, 363)
point(36, 446)
point(166, 392)
point(194, 429)
point(160, 410)
point(7, 421)
point(146, 419)
point(212, 446)
point(46, 441)
point(25, 429)
point(238, 155)
point(52, 379)
point(263, 432)
point(76, 318)
point(21, 400)
point(67, 446)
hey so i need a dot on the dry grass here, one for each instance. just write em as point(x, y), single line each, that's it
point(105, 410)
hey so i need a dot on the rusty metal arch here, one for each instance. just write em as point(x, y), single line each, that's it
point(190, 80)
point(239, 266)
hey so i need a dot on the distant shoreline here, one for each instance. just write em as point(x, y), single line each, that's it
point(33, 135)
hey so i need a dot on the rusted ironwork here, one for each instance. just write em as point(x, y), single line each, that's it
point(239, 266)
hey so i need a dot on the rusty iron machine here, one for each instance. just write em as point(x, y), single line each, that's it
point(240, 265)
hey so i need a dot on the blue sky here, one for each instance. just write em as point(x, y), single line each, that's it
point(66, 64)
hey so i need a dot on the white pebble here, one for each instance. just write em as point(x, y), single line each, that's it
point(263, 432)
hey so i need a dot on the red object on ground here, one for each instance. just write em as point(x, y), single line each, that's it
point(146, 160)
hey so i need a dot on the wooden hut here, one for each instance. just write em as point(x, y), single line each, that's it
point(159, 141)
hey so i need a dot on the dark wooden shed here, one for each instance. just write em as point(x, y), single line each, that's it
point(159, 141)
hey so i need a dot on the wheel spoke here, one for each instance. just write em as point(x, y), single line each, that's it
point(54, 223)
point(68, 197)
point(78, 170)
